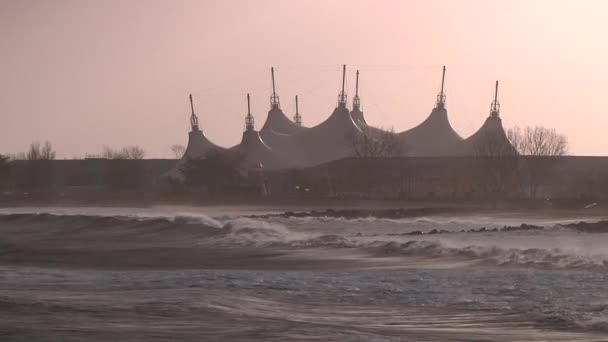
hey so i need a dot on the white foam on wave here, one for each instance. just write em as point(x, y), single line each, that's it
point(249, 231)
point(197, 219)
point(485, 250)
point(493, 254)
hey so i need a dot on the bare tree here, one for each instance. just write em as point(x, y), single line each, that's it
point(134, 152)
point(539, 147)
point(178, 150)
point(37, 151)
point(539, 141)
point(376, 143)
point(127, 152)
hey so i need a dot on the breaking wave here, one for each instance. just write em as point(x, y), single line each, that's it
point(538, 257)
point(239, 231)
point(252, 232)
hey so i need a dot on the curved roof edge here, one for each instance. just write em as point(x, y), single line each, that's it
point(278, 122)
point(434, 137)
point(490, 139)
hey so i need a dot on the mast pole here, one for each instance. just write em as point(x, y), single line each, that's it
point(495, 109)
point(441, 96)
point(343, 77)
point(191, 104)
point(272, 74)
point(356, 100)
point(342, 96)
point(193, 117)
point(274, 98)
point(297, 118)
point(442, 79)
point(249, 119)
point(357, 84)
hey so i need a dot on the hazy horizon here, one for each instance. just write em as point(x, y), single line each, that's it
point(84, 74)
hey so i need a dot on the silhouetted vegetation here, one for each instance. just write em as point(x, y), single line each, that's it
point(376, 143)
point(37, 151)
point(125, 153)
point(178, 151)
point(538, 147)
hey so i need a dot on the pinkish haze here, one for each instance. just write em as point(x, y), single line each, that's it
point(84, 73)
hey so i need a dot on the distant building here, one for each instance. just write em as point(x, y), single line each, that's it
point(283, 143)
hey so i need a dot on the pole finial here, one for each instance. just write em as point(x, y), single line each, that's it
point(342, 97)
point(441, 96)
point(274, 98)
point(193, 117)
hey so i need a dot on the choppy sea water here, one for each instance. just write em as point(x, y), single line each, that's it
point(146, 275)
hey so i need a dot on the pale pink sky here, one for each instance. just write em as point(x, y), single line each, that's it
point(84, 73)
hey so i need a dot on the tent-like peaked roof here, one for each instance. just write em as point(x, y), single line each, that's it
point(330, 140)
point(198, 145)
point(490, 139)
point(434, 137)
point(278, 122)
point(253, 148)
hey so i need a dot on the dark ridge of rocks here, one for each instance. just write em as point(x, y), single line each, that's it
point(365, 213)
point(521, 227)
point(586, 227)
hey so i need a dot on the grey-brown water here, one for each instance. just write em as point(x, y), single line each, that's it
point(146, 275)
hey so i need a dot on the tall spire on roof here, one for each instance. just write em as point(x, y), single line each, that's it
point(495, 108)
point(274, 98)
point(249, 122)
point(441, 96)
point(356, 99)
point(297, 118)
point(342, 97)
point(193, 117)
